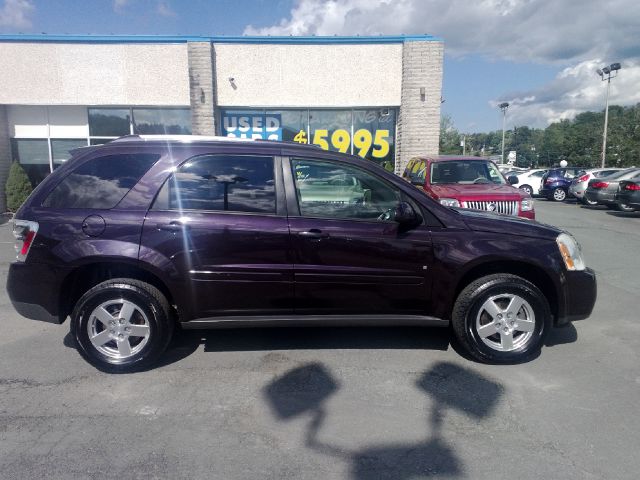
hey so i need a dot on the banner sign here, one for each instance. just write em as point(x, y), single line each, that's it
point(255, 125)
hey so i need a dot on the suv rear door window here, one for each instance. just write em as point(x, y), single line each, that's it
point(101, 182)
point(234, 183)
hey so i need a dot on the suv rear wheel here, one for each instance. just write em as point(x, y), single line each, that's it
point(501, 318)
point(122, 325)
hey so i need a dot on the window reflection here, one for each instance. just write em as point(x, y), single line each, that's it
point(159, 121)
point(109, 122)
point(332, 190)
point(223, 183)
point(101, 182)
point(33, 155)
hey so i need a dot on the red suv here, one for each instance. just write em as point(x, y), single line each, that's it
point(469, 182)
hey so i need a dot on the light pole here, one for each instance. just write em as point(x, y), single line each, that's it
point(503, 106)
point(607, 73)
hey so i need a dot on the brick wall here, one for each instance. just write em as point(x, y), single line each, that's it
point(5, 156)
point(419, 119)
point(202, 88)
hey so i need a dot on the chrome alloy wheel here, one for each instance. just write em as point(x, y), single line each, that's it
point(559, 195)
point(118, 329)
point(505, 322)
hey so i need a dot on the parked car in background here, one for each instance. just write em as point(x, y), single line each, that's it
point(580, 183)
point(629, 193)
point(603, 191)
point(554, 184)
point(468, 182)
point(147, 233)
point(529, 182)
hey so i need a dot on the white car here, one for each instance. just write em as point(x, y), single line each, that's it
point(529, 181)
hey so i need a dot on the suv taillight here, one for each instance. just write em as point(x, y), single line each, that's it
point(583, 178)
point(25, 232)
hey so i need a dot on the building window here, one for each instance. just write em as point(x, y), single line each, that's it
point(109, 122)
point(369, 133)
point(106, 124)
point(33, 155)
point(161, 121)
point(60, 149)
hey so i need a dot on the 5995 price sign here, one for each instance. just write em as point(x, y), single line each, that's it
point(364, 142)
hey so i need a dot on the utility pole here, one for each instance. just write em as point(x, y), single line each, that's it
point(606, 74)
point(503, 106)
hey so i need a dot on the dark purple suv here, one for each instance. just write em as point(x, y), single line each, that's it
point(144, 234)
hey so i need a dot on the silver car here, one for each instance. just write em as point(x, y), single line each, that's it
point(602, 191)
point(581, 182)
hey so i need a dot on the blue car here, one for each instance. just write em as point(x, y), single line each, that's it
point(555, 183)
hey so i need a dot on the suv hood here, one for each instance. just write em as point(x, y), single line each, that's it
point(480, 191)
point(506, 224)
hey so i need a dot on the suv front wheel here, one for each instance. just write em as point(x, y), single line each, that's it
point(501, 318)
point(122, 325)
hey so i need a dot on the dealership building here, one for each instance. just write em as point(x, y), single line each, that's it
point(378, 97)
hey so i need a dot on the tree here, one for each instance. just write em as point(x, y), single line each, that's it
point(449, 137)
point(18, 187)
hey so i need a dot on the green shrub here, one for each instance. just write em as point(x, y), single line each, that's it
point(18, 187)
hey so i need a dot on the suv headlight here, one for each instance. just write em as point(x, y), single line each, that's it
point(570, 251)
point(449, 202)
point(526, 205)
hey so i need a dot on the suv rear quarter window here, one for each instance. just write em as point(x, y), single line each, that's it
point(101, 182)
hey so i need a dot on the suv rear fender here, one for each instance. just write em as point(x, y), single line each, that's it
point(91, 273)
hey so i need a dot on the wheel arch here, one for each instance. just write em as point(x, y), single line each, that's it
point(531, 272)
point(90, 274)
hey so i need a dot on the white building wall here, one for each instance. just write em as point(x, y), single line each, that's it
point(334, 75)
point(94, 74)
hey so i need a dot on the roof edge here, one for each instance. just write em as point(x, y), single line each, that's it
point(44, 38)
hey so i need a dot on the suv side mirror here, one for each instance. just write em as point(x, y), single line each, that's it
point(405, 215)
point(512, 180)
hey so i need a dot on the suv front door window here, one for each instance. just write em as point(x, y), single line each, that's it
point(348, 256)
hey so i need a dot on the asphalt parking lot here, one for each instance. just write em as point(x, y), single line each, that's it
point(339, 403)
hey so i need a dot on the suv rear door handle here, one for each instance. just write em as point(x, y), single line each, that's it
point(314, 234)
point(172, 226)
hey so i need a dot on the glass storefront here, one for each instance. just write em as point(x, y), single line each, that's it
point(369, 133)
point(46, 134)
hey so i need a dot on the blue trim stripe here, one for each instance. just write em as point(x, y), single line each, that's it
point(216, 39)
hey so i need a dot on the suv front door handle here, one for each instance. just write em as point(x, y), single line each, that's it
point(172, 226)
point(314, 234)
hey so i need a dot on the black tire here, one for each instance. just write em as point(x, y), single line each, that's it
point(559, 195)
point(148, 301)
point(467, 313)
point(587, 202)
point(623, 207)
point(527, 189)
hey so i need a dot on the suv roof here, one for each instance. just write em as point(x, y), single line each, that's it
point(446, 158)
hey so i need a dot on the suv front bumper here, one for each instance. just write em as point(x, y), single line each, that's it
point(580, 291)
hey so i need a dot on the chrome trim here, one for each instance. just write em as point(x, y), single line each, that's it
point(506, 207)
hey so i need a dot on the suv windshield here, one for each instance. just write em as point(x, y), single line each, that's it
point(465, 172)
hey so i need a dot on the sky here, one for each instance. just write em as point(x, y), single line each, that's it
point(541, 56)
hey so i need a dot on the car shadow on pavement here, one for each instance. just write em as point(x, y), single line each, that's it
point(561, 336)
point(635, 214)
point(306, 391)
point(186, 342)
